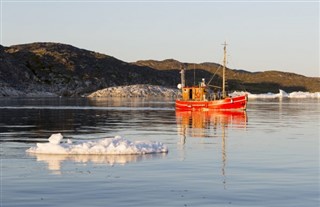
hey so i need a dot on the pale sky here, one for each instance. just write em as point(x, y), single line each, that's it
point(261, 35)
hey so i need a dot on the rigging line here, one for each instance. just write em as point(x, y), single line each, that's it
point(213, 75)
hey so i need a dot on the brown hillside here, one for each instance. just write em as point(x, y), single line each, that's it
point(258, 82)
point(70, 71)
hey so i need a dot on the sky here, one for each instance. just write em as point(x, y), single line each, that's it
point(261, 35)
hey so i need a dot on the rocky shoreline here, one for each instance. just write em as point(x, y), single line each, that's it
point(139, 90)
point(7, 91)
point(135, 91)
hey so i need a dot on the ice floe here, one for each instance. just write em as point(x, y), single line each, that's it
point(281, 94)
point(106, 146)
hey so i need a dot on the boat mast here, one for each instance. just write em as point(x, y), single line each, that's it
point(183, 80)
point(224, 70)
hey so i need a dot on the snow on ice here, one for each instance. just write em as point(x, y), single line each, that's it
point(281, 94)
point(112, 146)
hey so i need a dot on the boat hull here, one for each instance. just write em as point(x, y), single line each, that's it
point(234, 103)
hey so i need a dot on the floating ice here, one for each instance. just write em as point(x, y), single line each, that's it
point(55, 138)
point(281, 94)
point(112, 146)
point(300, 94)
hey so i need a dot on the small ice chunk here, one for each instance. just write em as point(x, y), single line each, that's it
point(55, 138)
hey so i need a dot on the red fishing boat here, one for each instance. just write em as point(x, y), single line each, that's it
point(199, 98)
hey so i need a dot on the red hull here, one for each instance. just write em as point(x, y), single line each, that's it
point(234, 103)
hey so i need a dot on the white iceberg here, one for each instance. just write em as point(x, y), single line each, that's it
point(55, 138)
point(281, 94)
point(300, 94)
point(106, 146)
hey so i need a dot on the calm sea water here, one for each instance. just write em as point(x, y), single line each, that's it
point(267, 156)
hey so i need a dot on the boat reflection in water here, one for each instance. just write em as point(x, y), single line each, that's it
point(210, 124)
point(206, 124)
point(54, 161)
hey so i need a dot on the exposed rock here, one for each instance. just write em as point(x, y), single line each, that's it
point(9, 91)
point(65, 70)
point(139, 90)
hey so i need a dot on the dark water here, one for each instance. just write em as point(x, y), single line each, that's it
point(268, 156)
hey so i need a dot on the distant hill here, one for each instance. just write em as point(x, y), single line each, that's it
point(255, 82)
point(64, 70)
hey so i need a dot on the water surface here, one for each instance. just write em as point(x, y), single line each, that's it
point(267, 156)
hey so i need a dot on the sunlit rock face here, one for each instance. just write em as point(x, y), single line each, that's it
point(136, 91)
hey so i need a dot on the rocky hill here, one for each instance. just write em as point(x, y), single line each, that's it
point(46, 69)
point(52, 68)
point(256, 82)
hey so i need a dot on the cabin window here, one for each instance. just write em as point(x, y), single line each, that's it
point(190, 94)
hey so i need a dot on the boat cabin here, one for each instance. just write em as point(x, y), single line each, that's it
point(194, 93)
